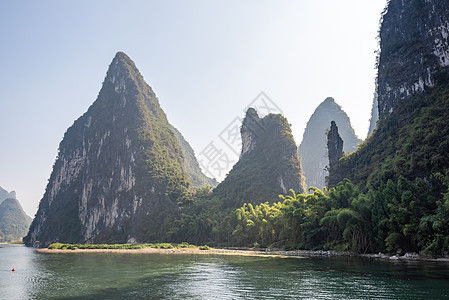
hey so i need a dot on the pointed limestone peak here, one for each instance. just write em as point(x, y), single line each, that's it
point(119, 167)
point(251, 121)
point(251, 113)
point(328, 103)
point(313, 149)
point(269, 164)
point(329, 100)
point(122, 84)
point(249, 131)
point(334, 144)
point(121, 69)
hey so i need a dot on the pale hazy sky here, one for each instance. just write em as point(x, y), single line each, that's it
point(205, 60)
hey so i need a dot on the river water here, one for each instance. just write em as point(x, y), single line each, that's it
point(181, 276)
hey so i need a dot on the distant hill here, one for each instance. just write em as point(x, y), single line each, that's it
point(14, 222)
point(4, 194)
point(374, 117)
point(192, 167)
point(313, 148)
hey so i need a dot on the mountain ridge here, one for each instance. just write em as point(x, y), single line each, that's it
point(119, 168)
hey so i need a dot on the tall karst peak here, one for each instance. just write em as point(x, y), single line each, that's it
point(122, 68)
point(328, 101)
point(334, 144)
point(313, 149)
point(269, 164)
point(120, 168)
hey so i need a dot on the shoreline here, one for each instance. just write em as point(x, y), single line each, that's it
point(211, 251)
point(273, 253)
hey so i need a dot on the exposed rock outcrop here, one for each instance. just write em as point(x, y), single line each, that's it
point(313, 148)
point(411, 137)
point(374, 116)
point(334, 144)
point(268, 166)
point(249, 131)
point(119, 171)
point(414, 49)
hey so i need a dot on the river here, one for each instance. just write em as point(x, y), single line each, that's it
point(182, 276)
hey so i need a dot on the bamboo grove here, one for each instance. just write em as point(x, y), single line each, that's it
point(397, 217)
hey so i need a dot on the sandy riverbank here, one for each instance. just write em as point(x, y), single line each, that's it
point(259, 253)
point(212, 251)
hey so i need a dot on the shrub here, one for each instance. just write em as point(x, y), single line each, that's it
point(55, 246)
point(165, 246)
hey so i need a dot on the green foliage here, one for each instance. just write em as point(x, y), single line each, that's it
point(14, 222)
point(403, 170)
point(399, 216)
point(411, 142)
point(127, 140)
point(184, 245)
point(255, 177)
point(202, 221)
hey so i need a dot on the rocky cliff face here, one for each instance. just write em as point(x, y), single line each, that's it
point(250, 130)
point(313, 148)
point(334, 144)
point(119, 168)
point(414, 49)
point(374, 114)
point(413, 83)
point(268, 166)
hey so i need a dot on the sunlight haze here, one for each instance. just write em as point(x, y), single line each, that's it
point(205, 60)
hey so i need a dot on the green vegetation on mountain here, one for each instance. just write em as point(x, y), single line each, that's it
point(268, 166)
point(14, 222)
point(192, 167)
point(412, 142)
point(392, 194)
point(125, 175)
point(402, 170)
point(120, 168)
point(4, 194)
point(398, 217)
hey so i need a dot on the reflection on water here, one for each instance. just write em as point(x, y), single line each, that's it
point(157, 276)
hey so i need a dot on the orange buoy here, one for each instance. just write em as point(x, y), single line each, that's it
point(13, 269)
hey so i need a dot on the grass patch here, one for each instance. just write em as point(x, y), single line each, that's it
point(184, 245)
